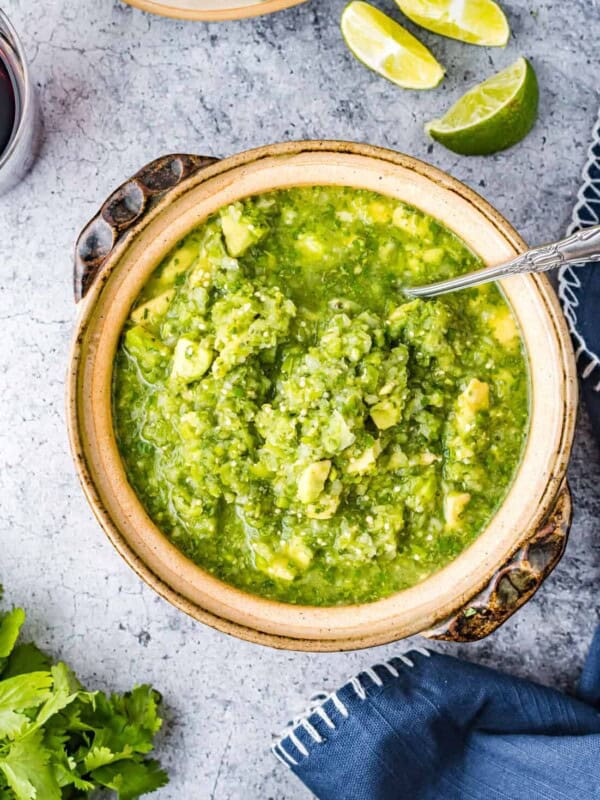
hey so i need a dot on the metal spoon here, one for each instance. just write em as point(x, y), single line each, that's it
point(580, 248)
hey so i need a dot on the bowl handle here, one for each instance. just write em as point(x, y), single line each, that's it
point(515, 583)
point(125, 209)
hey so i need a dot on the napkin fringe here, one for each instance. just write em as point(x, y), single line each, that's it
point(584, 215)
point(304, 727)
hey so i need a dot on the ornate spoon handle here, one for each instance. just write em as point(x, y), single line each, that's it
point(580, 248)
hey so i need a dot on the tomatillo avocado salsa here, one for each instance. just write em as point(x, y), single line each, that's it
point(293, 423)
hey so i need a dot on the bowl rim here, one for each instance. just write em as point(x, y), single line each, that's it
point(242, 164)
point(257, 9)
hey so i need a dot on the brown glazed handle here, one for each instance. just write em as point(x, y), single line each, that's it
point(515, 583)
point(124, 209)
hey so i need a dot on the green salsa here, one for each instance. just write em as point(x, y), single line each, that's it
point(295, 424)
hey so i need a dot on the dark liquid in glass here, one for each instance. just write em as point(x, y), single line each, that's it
point(7, 106)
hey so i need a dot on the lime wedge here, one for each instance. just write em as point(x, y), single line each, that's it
point(389, 49)
point(474, 21)
point(493, 115)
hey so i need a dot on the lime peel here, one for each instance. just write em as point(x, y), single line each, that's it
point(493, 115)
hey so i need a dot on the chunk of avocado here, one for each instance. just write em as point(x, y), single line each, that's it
point(477, 395)
point(312, 481)
point(366, 461)
point(310, 246)
point(150, 312)
point(504, 327)
point(299, 552)
point(181, 260)
point(337, 436)
point(454, 505)
point(434, 256)
point(239, 232)
point(280, 569)
point(191, 360)
point(325, 508)
point(276, 565)
point(385, 415)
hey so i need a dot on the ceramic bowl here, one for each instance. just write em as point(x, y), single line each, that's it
point(212, 10)
point(469, 598)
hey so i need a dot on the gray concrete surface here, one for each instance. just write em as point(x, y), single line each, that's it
point(119, 88)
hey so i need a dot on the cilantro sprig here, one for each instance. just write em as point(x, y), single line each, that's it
point(61, 742)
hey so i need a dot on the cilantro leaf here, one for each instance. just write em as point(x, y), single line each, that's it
point(125, 723)
point(26, 658)
point(26, 767)
point(130, 779)
point(65, 689)
point(141, 708)
point(99, 757)
point(19, 694)
point(10, 626)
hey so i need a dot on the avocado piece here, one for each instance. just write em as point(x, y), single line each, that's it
point(312, 481)
point(476, 396)
point(325, 508)
point(181, 260)
point(454, 505)
point(337, 436)
point(397, 459)
point(385, 415)
point(298, 552)
point(434, 256)
point(149, 313)
point(425, 459)
point(378, 211)
point(504, 327)
point(365, 462)
point(178, 262)
point(239, 232)
point(310, 246)
point(191, 360)
point(279, 568)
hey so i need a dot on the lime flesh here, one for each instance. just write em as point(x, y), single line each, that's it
point(474, 21)
point(389, 49)
point(493, 115)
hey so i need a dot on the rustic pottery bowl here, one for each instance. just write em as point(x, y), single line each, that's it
point(212, 10)
point(472, 596)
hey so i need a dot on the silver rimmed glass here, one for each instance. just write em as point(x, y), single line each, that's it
point(19, 154)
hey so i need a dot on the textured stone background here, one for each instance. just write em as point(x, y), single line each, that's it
point(119, 88)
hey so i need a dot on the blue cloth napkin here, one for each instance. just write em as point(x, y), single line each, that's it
point(579, 288)
point(427, 726)
point(430, 727)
